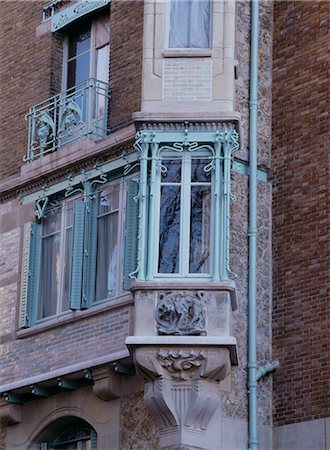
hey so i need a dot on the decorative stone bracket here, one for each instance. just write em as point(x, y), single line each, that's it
point(182, 377)
point(9, 414)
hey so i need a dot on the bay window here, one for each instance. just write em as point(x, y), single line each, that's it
point(185, 188)
point(185, 195)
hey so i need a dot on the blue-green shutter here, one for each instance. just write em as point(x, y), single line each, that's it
point(89, 270)
point(131, 232)
point(77, 254)
point(30, 274)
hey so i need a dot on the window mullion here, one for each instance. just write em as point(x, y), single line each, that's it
point(185, 214)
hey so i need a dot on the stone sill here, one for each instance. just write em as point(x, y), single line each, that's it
point(190, 341)
point(178, 285)
point(73, 316)
point(187, 53)
point(178, 116)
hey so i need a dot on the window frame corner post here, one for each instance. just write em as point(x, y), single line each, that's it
point(151, 216)
point(143, 148)
point(217, 225)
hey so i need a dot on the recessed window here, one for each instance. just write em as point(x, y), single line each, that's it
point(190, 24)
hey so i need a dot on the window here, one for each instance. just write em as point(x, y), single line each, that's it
point(185, 192)
point(185, 201)
point(190, 24)
point(87, 52)
point(73, 257)
point(68, 433)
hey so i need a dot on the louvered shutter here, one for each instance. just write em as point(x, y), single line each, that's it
point(89, 270)
point(131, 232)
point(77, 255)
point(30, 274)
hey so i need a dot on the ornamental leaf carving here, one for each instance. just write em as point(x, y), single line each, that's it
point(181, 314)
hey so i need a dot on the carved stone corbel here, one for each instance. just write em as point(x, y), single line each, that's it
point(9, 414)
point(107, 383)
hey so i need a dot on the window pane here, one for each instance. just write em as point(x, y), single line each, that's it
point(78, 70)
point(102, 31)
point(52, 222)
point(107, 256)
point(200, 229)
point(49, 275)
point(199, 24)
point(179, 24)
point(198, 174)
point(173, 171)
point(102, 64)
point(79, 42)
point(108, 200)
point(190, 24)
point(67, 270)
point(169, 229)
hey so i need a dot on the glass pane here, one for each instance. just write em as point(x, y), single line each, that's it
point(199, 30)
point(169, 229)
point(79, 42)
point(173, 171)
point(102, 64)
point(179, 24)
point(67, 270)
point(78, 70)
point(200, 229)
point(52, 221)
point(49, 275)
point(108, 200)
point(102, 31)
point(190, 24)
point(107, 256)
point(197, 170)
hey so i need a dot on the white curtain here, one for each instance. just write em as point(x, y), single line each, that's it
point(190, 24)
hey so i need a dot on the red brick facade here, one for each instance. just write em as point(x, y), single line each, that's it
point(301, 210)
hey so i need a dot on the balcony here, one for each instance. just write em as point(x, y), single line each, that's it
point(71, 115)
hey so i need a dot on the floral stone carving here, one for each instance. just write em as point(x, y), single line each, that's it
point(181, 314)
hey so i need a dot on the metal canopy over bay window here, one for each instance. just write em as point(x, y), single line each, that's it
point(185, 200)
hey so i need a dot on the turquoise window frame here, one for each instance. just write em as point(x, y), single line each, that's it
point(223, 141)
point(83, 270)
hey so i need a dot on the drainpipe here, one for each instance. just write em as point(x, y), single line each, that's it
point(252, 291)
point(255, 372)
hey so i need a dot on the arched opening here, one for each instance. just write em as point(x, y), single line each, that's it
point(66, 433)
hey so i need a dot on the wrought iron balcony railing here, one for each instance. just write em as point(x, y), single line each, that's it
point(79, 111)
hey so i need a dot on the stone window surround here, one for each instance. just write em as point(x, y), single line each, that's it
point(156, 52)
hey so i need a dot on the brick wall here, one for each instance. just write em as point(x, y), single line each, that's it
point(25, 76)
point(187, 79)
point(301, 210)
point(126, 21)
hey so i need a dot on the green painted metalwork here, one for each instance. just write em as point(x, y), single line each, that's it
point(131, 233)
point(221, 143)
point(16, 399)
point(78, 238)
point(77, 112)
point(76, 11)
point(30, 274)
point(242, 167)
point(41, 391)
point(124, 369)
